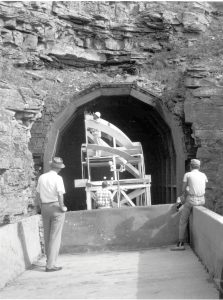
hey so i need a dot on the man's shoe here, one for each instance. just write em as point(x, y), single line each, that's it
point(178, 247)
point(53, 269)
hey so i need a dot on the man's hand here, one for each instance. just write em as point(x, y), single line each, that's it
point(38, 209)
point(178, 203)
point(63, 208)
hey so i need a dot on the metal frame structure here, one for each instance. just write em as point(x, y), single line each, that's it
point(107, 146)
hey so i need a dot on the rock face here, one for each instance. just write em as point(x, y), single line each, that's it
point(51, 51)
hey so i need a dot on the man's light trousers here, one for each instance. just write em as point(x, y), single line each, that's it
point(185, 213)
point(53, 220)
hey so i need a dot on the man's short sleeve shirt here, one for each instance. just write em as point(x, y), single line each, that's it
point(196, 182)
point(49, 186)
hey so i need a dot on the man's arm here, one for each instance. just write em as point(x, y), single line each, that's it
point(60, 192)
point(184, 186)
point(181, 199)
point(38, 203)
point(61, 202)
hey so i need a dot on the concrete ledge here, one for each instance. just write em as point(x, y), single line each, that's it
point(19, 248)
point(206, 235)
point(120, 229)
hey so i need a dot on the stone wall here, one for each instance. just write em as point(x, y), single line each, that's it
point(51, 51)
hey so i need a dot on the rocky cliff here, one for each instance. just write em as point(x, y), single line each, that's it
point(51, 51)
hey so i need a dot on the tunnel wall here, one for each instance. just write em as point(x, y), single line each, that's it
point(206, 237)
point(19, 248)
point(120, 229)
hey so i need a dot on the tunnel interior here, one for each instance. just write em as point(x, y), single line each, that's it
point(141, 123)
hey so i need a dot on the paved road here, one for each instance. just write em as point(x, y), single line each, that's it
point(151, 274)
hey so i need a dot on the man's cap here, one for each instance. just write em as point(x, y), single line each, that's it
point(57, 162)
point(97, 114)
point(104, 184)
point(195, 162)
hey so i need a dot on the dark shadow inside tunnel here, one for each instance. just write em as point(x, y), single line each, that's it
point(141, 123)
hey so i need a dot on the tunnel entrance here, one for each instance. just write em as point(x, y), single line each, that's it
point(141, 122)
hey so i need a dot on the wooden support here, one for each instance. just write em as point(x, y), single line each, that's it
point(89, 201)
point(110, 129)
point(113, 151)
point(128, 198)
point(148, 191)
point(123, 155)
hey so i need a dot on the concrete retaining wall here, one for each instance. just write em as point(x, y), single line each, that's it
point(120, 229)
point(206, 235)
point(19, 247)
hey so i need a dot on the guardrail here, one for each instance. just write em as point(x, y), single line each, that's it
point(19, 247)
point(117, 229)
point(206, 238)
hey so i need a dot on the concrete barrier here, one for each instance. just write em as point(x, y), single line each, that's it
point(19, 247)
point(120, 229)
point(206, 237)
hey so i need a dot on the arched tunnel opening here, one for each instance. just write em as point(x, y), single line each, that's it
point(141, 123)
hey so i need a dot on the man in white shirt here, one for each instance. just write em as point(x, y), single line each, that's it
point(97, 133)
point(194, 185)
point(50, 189)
